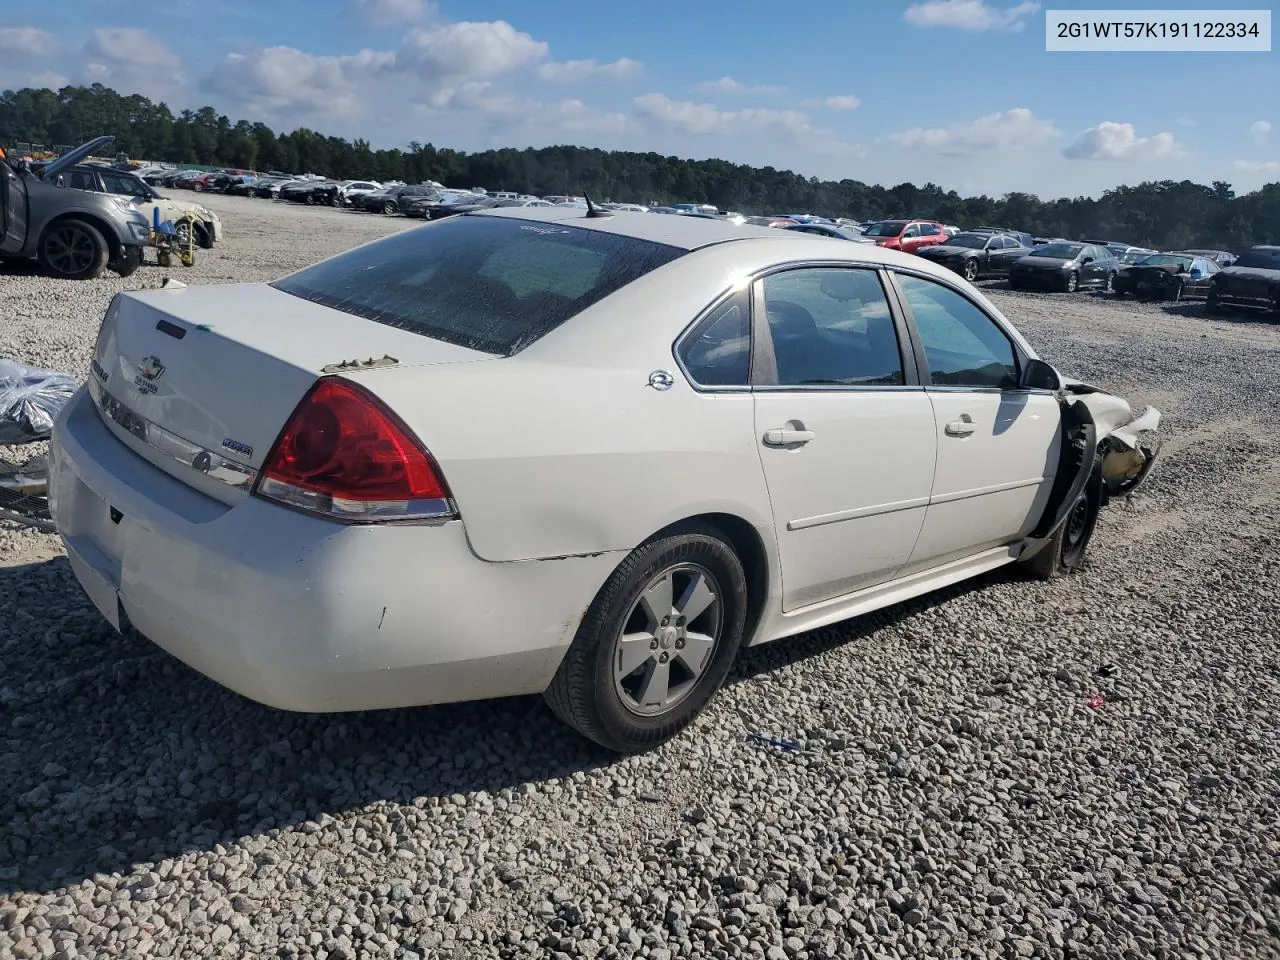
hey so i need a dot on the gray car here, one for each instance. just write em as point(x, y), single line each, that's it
point(74, 234)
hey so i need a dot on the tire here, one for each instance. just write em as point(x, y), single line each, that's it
point(590, 691)
point(1110, 285)
point(309, 200)
point(1065, 553)
point(204, 236)
point(197, 188)
point(1212, 306)
point(1014, 284)
point(73, 250)
point(129, 263)
point(1177, 292)
point(1073, 282)
point(971, 270)
point(388, 208)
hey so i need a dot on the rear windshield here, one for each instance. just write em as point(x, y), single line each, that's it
point(886, 228)
point(1058, 251)
point(487, 283)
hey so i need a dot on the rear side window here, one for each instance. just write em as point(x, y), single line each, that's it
point(486, 283)
point(718, 353)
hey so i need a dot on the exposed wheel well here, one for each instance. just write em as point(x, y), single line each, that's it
point(746, 543)
point(114, 248)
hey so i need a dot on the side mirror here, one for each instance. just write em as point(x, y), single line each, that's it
point(1086, 260)
point(1038, 375)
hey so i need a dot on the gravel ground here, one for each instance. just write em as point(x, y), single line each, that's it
point(955, 794)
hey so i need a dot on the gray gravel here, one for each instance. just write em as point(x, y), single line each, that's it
point(954, 794)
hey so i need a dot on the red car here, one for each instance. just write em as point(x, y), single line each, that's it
point(907, 235)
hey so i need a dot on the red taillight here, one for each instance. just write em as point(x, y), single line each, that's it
point(344, 455)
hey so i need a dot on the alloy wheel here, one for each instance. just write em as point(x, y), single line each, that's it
point(69, 250)
point(668, 639)
point(971, 270)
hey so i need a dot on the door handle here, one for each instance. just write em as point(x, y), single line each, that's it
point(785, 437)
point(960, 428)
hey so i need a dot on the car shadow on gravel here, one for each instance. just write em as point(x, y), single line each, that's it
point(115, 754)
point(1195, 310)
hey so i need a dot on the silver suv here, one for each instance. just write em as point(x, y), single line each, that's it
point(72, 233)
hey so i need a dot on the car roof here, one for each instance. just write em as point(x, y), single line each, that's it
point(684, 232)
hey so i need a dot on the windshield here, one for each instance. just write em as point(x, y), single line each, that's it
point(1058, 251)
point(975, 241)
point(1260, 259)
point(1165, 260)
point(889, 228)
point(487, 283)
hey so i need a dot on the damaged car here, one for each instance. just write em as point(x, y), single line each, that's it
point(834, 428)
point(1167, 276)
point(73, 234)
point(149, 200)
point(1253, 282)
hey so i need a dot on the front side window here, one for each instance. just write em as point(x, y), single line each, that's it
point(82, 180)
point(929, 229)
point(718, 352)
point(486, 283)
point(911, 231)
point(964, 346)
point(831, 326)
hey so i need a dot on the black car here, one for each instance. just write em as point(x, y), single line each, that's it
point(1252, 281)
point(312, 192)
point(1167, 276)
point(433, 208)
point(1222, 258)
point(976, 255)
point(1026, 239)
point(417, 194)
point(1065, 266)
point(827, 230)
point(241, 186)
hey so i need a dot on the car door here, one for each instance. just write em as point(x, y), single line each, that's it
point(1001, 253)
point(1202, 271)
point(13, 209)
point(997, 444)
point(909, 237)
point(845, 431)
point(930, 234)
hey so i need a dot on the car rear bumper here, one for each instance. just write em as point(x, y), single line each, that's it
point(300, 613)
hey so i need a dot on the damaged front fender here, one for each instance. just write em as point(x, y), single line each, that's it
point(1127, 445)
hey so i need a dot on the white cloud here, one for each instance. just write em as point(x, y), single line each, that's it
point(382, 13)
point(1259, 130)
point(54, 81)
point(285, 79)
point(575, 116)
point(468, 50)
point(1014, 129)
point(576, 71)
point(131, 59)
point(972, 15)
point(844, 102)
point(1258, 166)
point(703, 118)
point(1186, 122)
point(1119, 141)
point(736, 88)
point(27, 40)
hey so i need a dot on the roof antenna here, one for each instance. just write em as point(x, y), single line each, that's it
point(593, 210)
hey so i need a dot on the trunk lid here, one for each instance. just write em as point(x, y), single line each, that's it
point(200, 381)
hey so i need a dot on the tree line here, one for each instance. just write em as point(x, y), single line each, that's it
point(1164, 214)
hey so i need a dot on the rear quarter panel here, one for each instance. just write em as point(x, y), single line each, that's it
point(565, 449)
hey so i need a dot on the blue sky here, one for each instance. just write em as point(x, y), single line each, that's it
point(958, 92)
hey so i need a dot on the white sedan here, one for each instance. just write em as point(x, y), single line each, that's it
point(572, 453)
